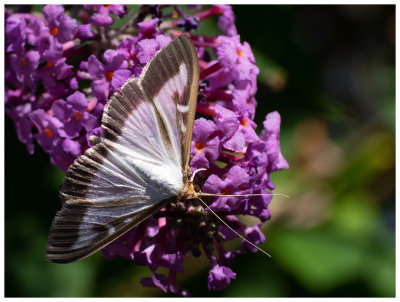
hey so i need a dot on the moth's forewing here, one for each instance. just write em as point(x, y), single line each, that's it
point(178, 81)
point(138, 165)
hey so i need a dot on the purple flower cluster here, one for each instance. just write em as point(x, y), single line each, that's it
point(56, 89)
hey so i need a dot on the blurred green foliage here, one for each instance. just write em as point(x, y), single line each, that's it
point(330, 72)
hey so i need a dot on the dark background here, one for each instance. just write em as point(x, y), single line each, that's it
point(330, 72)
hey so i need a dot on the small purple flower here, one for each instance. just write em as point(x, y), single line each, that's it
point(228, 126)
point(219, 79)
point(270, 135)
point(163, 41)
point(24, 132)
point(72, 147)
point(219, 277)
point(73, 115)
point(147, 48)
point(113, 74)
point(157, 280)
point(49, 48)
point(148, 29)
point(162, 282)
point(235, 181)
point(244, 101)
point(15, 34)
point(54, 71)
point(205, 144)
point(254, 235)
point(102, 17)
point(25, 65)
point(226, 21)
point(85, 31)
point(47, 126)
point(61, 26)
point(128, 48)
point(132, 246)
point(236, 58)
point(246, 127)
point(64, 153)
point(22, 123)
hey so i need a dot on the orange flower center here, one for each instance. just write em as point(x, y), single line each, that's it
point(244, 123)
point(175, 14)
point(54, 31)
point(48, 132)
point(239, 52)
point(109, 75)
point(226, 191)
point(200, 146)
point(106, 5)
point(78, 116)
point(133, 56)
point(24, 62)
point(49, 64)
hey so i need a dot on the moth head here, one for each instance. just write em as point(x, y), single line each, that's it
point(190, 192)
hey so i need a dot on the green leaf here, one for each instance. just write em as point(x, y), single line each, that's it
point(319, 259)
point(354, 213)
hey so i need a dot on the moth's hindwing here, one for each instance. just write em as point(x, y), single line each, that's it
point(140, 162)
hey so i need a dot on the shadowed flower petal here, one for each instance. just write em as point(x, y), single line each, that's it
point(205, 143)
point(47, 126)
point(219, 277)
point(119, 78)
point(270, 135)
point(84, 31)
point(254, 235)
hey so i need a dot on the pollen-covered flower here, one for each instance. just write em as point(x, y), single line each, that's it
point(61, 70)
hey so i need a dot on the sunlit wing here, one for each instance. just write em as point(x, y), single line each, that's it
point(138, 165)
point(175, 98)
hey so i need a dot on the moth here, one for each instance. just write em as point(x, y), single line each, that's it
point(140, 162)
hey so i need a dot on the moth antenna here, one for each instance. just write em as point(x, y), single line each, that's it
point(233, 195)
point(227, 225)
point(194, 173)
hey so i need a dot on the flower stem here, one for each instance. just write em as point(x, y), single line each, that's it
point(213, 68)
point(215, 10)
point(207, 110)
point(220, 94)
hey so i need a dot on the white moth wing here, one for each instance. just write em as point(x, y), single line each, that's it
point(175, 98)
point(140, 163)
